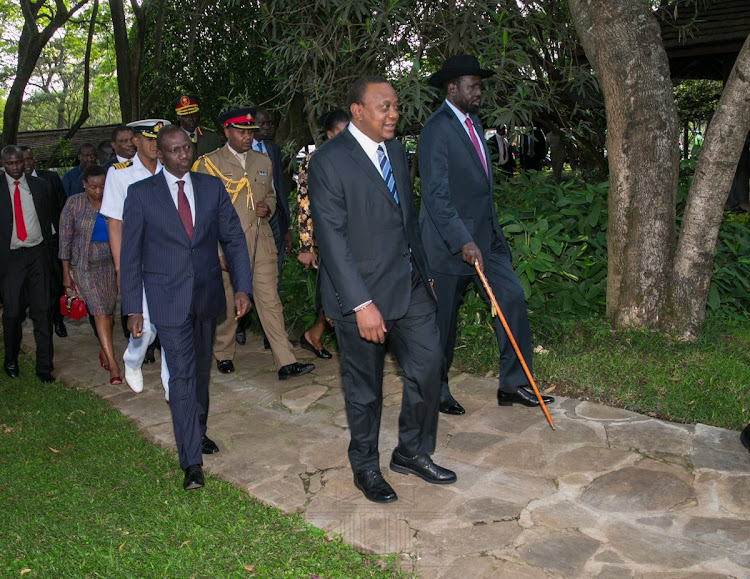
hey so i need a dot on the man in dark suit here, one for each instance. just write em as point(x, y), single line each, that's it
point(173, 223)
point(59, 195)
point(29, 210)
point(375, 285)
point(460, 228)
point(72, 180)
point(122, 145)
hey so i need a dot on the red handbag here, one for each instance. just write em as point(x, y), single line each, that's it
point(72, 307)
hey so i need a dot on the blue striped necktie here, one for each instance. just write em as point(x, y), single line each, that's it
point(385, 169)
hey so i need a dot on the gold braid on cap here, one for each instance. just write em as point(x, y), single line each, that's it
point(232, 187)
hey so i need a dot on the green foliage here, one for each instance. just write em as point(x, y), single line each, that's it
point(55, 90)
point(650, 373)
point(211, 49)
point(696, 99)
point(316, 48)
point(558, 236)
point(729, 293)
point(84, 495)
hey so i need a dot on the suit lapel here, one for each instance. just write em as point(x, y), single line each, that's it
point(200, 205)
point(480, 131)
point(401, 175)
point(163, 200)
point(6, 207)
point(461, 133)
point(360, 157)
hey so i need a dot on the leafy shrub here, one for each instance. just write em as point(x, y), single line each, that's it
point(557, 233)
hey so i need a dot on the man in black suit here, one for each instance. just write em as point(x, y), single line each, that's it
point(173, 223)
point(122, 145)
point(375, 285)
point(28, 209)
point(59, 195)
point(460, 228)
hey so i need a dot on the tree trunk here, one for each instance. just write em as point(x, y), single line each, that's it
point(693, 262)
point(30, 47)
point(83, 117)
point(622, 41)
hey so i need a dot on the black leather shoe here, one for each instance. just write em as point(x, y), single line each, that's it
point(323, 354)
point(374, 486)
point(239, 337)
point(745, 437)
point(61, 330)
point(11, 369)
point(521, 396)
point(450, 406)
point(45, 377)
point(208, 446)
point(225, 366)
point(150, 358)
point(193, 477)
point(295, 369)
point(423, 467)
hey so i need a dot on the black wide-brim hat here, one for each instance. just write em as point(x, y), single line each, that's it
point(460, 65)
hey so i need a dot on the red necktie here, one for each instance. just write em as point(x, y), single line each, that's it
point(18, 214)
point(183, 209)
point(476, 144)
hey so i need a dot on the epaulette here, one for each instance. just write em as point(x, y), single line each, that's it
point(123, 165)
point(194, 168)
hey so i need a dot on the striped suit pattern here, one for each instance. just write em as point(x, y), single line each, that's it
point(184, 290)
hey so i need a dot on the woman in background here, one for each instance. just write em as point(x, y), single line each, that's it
point(87, 261)
point(333, 123)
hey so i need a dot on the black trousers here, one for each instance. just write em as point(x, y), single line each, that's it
point(414, 341)
point(188, 348)
point(510, 297)
point(56, 288)
point(28, 281)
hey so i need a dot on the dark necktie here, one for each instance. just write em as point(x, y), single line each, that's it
point(385, 169)
point(259, 147)
point(476, 144)
point(18, 214)
point(183, 209)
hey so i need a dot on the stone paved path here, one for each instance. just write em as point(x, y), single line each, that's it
point(610, 493)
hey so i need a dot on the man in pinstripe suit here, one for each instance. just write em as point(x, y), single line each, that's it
point(172, 225)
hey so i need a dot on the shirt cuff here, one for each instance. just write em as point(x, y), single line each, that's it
point(362, 306)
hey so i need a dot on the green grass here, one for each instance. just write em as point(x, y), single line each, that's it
point(707, 382)
point(83, 495)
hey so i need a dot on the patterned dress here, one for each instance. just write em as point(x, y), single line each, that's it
point(91, 264)
point(304, 217)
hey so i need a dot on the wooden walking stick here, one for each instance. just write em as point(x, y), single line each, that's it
point(501, 317)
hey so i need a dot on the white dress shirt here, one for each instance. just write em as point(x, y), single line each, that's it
point(370, 146)
point(117, 183)
point(462, 119)
point(188, 188)
point(30, 219)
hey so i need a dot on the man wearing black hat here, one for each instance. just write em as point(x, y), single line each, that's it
point(204, 140)
point(248, 179)
point(460, 228)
